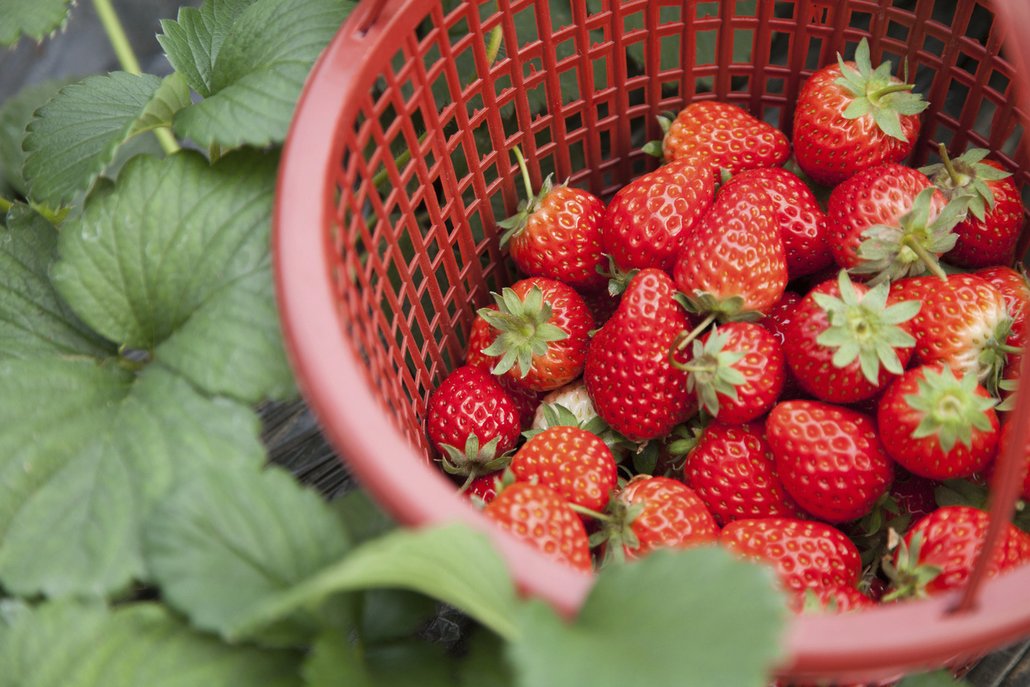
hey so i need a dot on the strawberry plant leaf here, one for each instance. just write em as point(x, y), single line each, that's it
point(259, 72)
point(453, 564)
point(171, 96)
point(77, 133)
point(485, 665)
point(144, 644)
point(192, 41)
point(174, 260)
point(391, 614)
point(15, 115)
point(732, 637)
point(334, 662)
point(362, 517)
point(43, 642)
point(33, 18)
point(77, 481)
point(35, 319)
point(229, 539)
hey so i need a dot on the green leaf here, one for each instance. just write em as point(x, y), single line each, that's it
point(43, 642)
point(171, 96)
point(232, 344)
point(193, 41)
point(361, 516)
point(485, 664)
point(453, 564)
point(177, 254)
point(35, 321)
point(941, 678)
point(390, 614)
point(259, 72)
point(722, 624)
point(77, 480)
point(32, 18)
point(15, 115)
point(76, 135)
point(229, 538)
point(145, 645)
point(333, 662)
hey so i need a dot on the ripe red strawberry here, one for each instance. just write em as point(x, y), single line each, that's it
point(733, 261)
point(829, 458)
point(648, 220)
point(628, 375)
point(658, 512)
point(526, 400)
point(806, 554)
point(890, 222)
point(483, 489)
point(939, 552)
point(938, 426)
point(727, 136)
point(732, 469)
point(737, 371)
point(540, 333)
point(777, 320)
point(846, 342)
point(836, 599)
point(557, 233)
point(472, 422)
point(573, 462)
point(963, 322)
point(802, 222)
point(850, 117)
point(988, 235)
point(541, 518)
point(1014, 288)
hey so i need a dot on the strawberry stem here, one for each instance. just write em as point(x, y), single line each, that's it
point(583, 510)
point(928, 259)
point(887, 90)
point(948, 166)
point(473, 474)
point(684, 338)
point(525, 173)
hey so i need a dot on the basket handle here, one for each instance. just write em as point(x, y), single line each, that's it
point(373, 10)
point(1006, 482)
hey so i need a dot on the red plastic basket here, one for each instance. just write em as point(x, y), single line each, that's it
point(382, 259)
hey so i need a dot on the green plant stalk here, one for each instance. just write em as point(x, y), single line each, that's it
point(5, 204)
point(128, 60)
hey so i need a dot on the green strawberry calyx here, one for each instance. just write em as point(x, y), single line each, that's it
point(711, 371)
point(618, 279)
point(965, 178)
point(616, 533)
point(908, 576)
point(911, 245)
point(864, 328)
point(524, 330)
point(473, 460)
point(876, 93)
point(950, 407)
point(514, 225)
point(656, 148)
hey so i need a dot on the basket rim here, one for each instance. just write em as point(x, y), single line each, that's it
point(331, 379)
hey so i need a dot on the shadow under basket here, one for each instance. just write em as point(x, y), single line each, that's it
point(398, 167)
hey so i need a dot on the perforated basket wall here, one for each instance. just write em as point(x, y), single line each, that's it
point(398, 167)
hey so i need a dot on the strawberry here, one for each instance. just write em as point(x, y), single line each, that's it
point(802, 222)
point(833, 599)
point(938, 552)
point(1014, 288)
point(657, 512)
point(541, 518)
point(648, 220)
point(572, 398)
point(830, 458)
point(963, 322)
point(779, 317)
point(727, 136)
point(732, 469)
point(850, 117)
point(938, 426)
point(628, 375)
point(556, 233)
point(737, 371)
point(845, 343)
point(890, 222)
point(733, 264)
point(576, 464)
point(806, 554)
point(480, 338)
point(483, 489)
point(540, 333)
point(472, 422)
point(988, 235)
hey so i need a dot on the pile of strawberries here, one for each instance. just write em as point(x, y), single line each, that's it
point(712, 357)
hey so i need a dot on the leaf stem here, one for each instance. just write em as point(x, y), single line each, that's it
point(948, 166)
point(128, 60)
point(525, 174)
point(892, 88)
point(583, 510)
point(929, 260)
point(684, 338)
point(5, 205)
